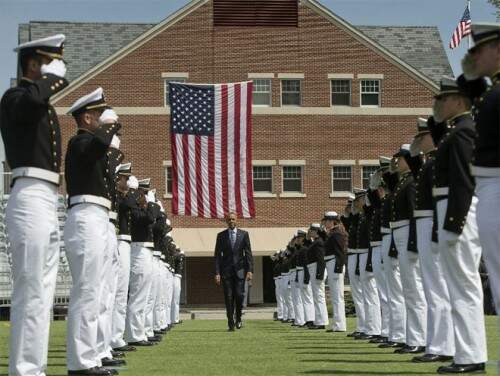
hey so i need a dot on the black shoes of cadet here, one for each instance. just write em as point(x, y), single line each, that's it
point(239, 325)
point(94, 371)
point(155, 339)
point(126, 348)
point(107, 362)
point(410, 350)
point(317, 327)
point(462, 368)
point(390, 344)
point(429, 358)
point(142, 343)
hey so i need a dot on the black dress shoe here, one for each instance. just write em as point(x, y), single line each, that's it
point(429, 358)
point(462, 368)
point(308, 324)
point(107, 362)
point(94, 371)
point(371, 337)
point(379, 340)
point(163, 331)
point(155, 339)
point(239, 325)
point(142, 343)
point(231, 329)
point(390, 344)
point(353, 334)
point(117, 354)
point(317, 327)
point(410, 350)
point(112, 370)
point(126, 348)
point(361, 336)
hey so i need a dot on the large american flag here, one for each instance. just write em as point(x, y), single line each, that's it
point(462, 30)
point(211, 142)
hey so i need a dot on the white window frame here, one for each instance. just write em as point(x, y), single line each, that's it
point(350, 92)
point(300, 92)
point(361, 93)
point(293, 163)
point(270, 92)
point(169, 77)
point(265, 194)
point(333, 193)
point(166, 165)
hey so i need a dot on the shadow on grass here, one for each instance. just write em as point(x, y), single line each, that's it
point(355, 373)
point(57, 351)
point(329, 360)
point(326, 348)
point(341, 353)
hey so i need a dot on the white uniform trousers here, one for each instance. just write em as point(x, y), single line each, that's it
point(461, 272)
point(356, 293)
point(307, 297)
point(319, 296)
point(33, 232)
point(298, 306)
point(109, 280)
point(440, 337)
point(287, 293)
point(279, 297)
point(163, 292)
point(395, 297)
point(373, 319)
point(488, 222)
point(86, 240)
point(411, 279)
point(378, 272)
point(336, 287)
point(141, 268)
point(176, 300)
point(169, 295)
point(150, 304)
point(120, 307)
point(159, 306)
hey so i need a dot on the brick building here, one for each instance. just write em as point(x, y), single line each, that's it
point(329, 98)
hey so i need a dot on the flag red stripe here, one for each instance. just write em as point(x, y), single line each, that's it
point(187, 182)
point(175, 190)
point(211, 177)
point(199, 180)
point(251, 206)
point(237, 170)
point(225, 192)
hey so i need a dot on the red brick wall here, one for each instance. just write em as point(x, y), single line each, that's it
point(315, 48)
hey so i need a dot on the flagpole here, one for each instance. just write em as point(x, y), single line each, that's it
point(469, 37)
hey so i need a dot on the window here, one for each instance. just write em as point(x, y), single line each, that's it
point(166, 82)
point(342, 178)
point(370, 93)
point(261, 92)
point(290, 92)
point(341, 92)
point(263, 179)
point(367, 171)
point(169, 180)
point(292, 179)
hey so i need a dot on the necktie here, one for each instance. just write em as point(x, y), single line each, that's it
point(233, 238)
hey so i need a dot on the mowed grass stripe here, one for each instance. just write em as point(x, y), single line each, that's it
point(204, 347)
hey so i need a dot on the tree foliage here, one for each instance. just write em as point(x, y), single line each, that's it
point(496, 4)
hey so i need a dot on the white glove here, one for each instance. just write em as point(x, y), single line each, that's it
point(160, 205)
point(450, 238)
point(414, 148)
point(109, 116)
point(367, 201)
point(115, 142)
point(132, 182)
point(55, 67)
point(375, 181)
point(150, 197)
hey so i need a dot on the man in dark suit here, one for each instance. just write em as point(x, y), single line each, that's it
point(233, 264)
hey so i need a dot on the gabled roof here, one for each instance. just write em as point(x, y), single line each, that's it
point(92, 47)
point(419, 46)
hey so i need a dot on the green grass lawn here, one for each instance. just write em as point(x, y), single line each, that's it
point(263, 348)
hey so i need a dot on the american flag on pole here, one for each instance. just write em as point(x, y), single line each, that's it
point(211, 142)
point(462, 30)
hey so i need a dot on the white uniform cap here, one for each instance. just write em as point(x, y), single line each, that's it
point(53, 42)
point(331, 215)
point(124, 169)
point(88, 102)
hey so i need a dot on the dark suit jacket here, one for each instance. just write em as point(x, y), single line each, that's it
point(233, 261)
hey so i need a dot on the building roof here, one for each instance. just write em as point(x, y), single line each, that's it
point(87, 44)
point(419, 46)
